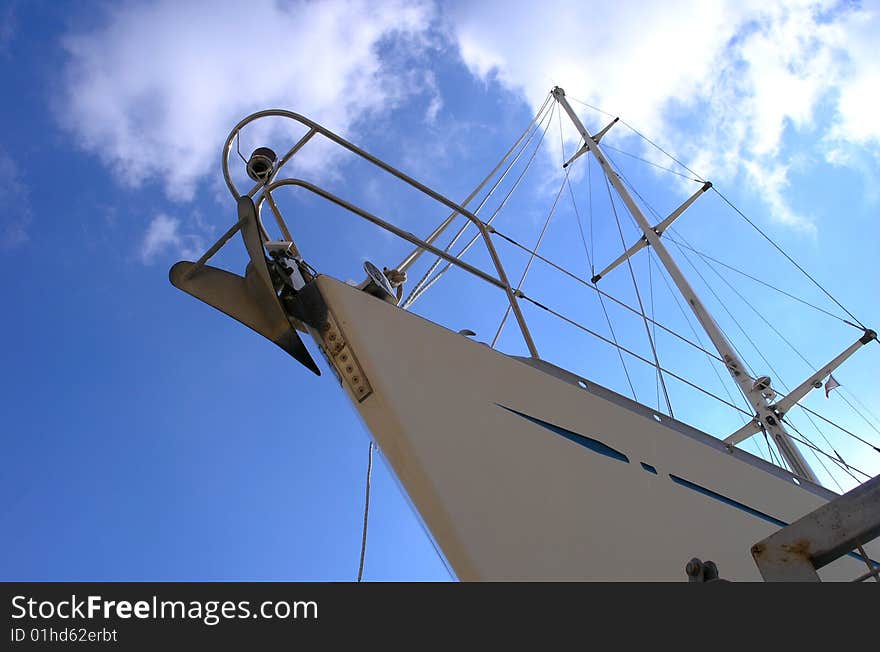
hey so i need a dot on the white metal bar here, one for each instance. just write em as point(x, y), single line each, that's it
point(433, 194)
point(217, 246)
point(733, 363)
point(674, 215)
point(743, 433)
point(790, 400)
point(583, 150)
point(638, 246)
point(604, 131)
point(502, 280)
point(658, 229)
point(279, 219)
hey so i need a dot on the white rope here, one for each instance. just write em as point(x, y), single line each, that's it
point(366, 514)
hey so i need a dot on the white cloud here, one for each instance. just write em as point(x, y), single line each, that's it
point(8, 26)
point(738, 73)
point(14, 196)
point(155, 90)
point(436, 102)
point(163, 236)
point(858, 119)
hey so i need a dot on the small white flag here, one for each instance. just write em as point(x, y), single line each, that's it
point(830, 384)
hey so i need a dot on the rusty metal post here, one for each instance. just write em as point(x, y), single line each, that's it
point(796, 552)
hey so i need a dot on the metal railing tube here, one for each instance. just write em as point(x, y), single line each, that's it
point(501, 282)
point(314, 127)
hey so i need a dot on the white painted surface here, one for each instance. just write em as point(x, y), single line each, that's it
point(507, 499)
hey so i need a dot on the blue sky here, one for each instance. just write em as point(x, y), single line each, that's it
point(146, 437)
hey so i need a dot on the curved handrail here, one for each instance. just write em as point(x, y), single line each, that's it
point(378, 221)
point(314, 128)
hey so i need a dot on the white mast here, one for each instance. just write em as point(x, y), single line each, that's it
point(754, 391)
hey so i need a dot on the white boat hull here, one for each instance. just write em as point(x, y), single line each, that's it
point(519, 473)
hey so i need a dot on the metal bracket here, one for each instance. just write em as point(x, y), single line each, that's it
point(343, 359)
point(797, 551)
point(702, 571)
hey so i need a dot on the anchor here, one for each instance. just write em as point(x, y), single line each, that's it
point(252, 299)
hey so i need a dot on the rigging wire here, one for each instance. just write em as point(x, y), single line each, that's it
point(858, 323)
point(638, 295)
point(845, 466)
point(577, 214)
point(789, 258)
point(657, 215)
point(854, 409)
point(826, 454)
point(644, 160)
point(590, 191)
point(762, 282)
point(652, 143)
point(865, 407)
point(555, 313)
point(533, 127)
point(773, 457)
point(738, 211)
point(602, 293)
point(780, 335)
point(532, 256)
point(839, 427)
point(658, 368)
point(811, 366)
point(646, 320)
point(590, 106)
point(654, 327)
point(708, 286)
point(625, 180)
point(640, 135)
point(708, 353)
point(746, 301)
point(590, 259)
point(415, 295)
point(776, 373)
point(841, 464)
point(812, 446)
point(767, 362)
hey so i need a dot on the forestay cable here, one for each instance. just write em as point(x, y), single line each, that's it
point(531, 258)
point(419, 291)
point(414, 255)
point(534, 126)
